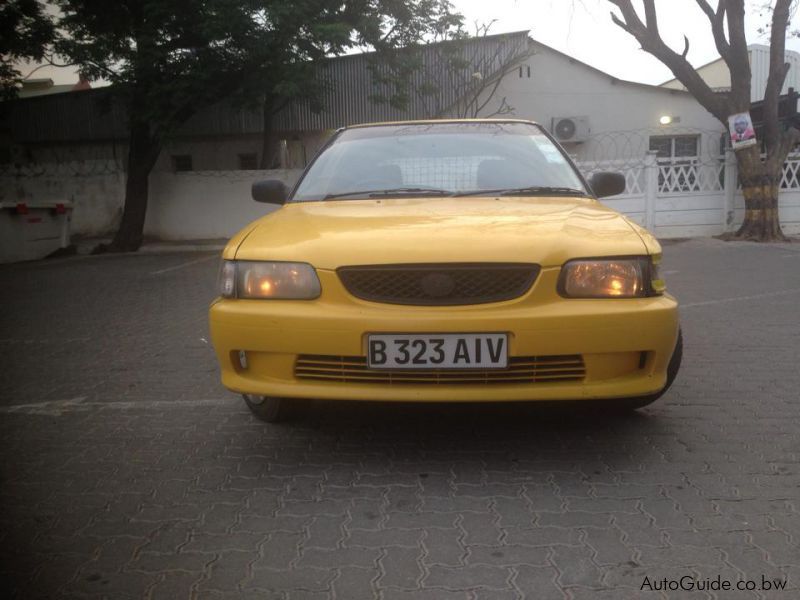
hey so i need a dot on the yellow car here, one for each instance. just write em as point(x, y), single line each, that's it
point(444, 261)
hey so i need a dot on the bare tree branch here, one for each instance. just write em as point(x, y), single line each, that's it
point(648, 37)
point(717, 20)
point(50, 61)
point(471, 70)
point(620, 23)
point(480, 106)
point(650, 15)
point(503, 109)
point(778, 68)
point(28, 76)
point(493, 69)
point(739, 56)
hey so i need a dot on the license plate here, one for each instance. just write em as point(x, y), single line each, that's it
point(437, 351)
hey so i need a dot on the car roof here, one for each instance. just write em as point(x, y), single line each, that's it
point(437, 122)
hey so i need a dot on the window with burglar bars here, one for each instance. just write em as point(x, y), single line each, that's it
point(248, 162)
point(677, 157)
point(182, 162)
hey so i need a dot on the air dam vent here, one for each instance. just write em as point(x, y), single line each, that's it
point(521, 370)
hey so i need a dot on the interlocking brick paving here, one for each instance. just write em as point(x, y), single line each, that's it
point(129, 472)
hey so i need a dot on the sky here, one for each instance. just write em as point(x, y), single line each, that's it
point(583, 29)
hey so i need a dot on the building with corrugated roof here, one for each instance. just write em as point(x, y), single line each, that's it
point(73, 145)
point(44, 86)
point(353, 89)
point(718, 77)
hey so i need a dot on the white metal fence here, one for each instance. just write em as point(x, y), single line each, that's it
point(689, 199)
point(672, 200)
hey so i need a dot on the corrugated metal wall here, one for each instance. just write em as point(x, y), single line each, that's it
point(348, 101)
point(93, 115)
point(72, 116)
point(759, 68)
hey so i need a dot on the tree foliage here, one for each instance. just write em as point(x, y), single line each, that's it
point(26, 31)
point(385, 27)
point(168, 59)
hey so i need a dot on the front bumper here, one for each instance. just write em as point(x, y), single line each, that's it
point(626, 344)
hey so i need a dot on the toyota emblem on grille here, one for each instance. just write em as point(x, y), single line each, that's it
point(437, 285)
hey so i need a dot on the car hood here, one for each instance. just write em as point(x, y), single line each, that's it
point(547, 231)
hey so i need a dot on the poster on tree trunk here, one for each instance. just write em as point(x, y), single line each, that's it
point(742, 132)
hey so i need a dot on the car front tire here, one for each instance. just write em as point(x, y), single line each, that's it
point(267, 408)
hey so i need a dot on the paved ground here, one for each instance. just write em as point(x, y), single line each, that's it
point(127, 471)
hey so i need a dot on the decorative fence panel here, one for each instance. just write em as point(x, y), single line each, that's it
point(692, 199)
point(690, 178)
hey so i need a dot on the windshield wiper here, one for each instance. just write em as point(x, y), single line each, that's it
point(526, 191)
point(403, 191)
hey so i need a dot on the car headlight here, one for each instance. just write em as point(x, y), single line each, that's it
point(268, 280)
point(634, 277)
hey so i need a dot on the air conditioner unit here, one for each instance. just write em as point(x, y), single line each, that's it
point(570, 129)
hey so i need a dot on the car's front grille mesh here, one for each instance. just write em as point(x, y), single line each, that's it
point(520, 370)
point(439, 284)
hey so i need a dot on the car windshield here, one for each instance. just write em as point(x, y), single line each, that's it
point(439, 159)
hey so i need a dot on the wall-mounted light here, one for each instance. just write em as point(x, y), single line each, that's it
point(668, 119)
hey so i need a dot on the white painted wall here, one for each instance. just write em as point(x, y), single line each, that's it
point(216, 204)
point(98, 195)
point(700, 215)
point(218, 154)
point(193, 205)
point(222, 153)
point(206, 205)
point(622, 115)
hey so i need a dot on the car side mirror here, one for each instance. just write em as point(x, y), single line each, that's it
point(607, 183)
point(271, 191)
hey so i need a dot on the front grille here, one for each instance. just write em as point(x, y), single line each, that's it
point(439, 284)
point(521, 370)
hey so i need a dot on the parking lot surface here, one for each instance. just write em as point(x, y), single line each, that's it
point(128, 471)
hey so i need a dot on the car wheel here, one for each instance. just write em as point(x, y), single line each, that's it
point(267, 408)
point(672, 372)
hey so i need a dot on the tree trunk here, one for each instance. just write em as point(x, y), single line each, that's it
point(269, 145)
point(143, 152)
point(761, 186)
